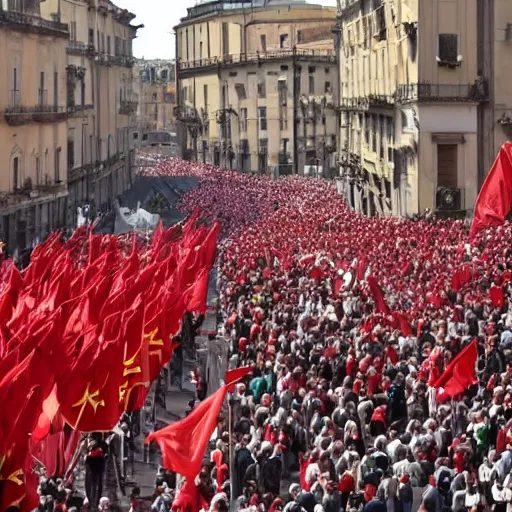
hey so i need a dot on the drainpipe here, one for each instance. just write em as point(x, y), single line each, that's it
point(296, 78)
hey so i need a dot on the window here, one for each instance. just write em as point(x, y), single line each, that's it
point(72, 31)
point(447, 165)
point(201, 50)
point(15, 173)
point(42, 91)
point(300, 36)
point(263, 156)
point(82, 92)
point(263, 118)
point(109, 40)
point(311, 84)
point(240, 91)
point(263, 41)
point(243, 119)
point(283, 93)
point(71, 154)
point(205, 96)
point(38, 170)
point(283, 118)
point(58, 151)
point(15, 93)
point(91, 37)
point(245, 157)
point(448, 48)
point(55, 89)
point(327, 88)
point(262, 90)
point(283, 41)
point(154, 97)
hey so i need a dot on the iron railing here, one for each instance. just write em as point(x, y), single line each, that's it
point(254, 58)
point(33, 23)
point(79, 48)
point(427, 92)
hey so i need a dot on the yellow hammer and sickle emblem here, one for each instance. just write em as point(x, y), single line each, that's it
point(123, 388)
point(88, 398)
point(16, 477)
point(152, 335)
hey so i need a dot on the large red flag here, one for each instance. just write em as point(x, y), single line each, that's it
point(183, 443)
point(199, 293)
point(381, 305)
point(460, 374)
point(495, 198)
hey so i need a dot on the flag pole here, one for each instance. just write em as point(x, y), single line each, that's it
point(231, 465)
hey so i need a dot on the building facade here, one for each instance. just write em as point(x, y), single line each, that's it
point(418, 102)
point(100, 103)
point(256, 86)
point(65, 96)
point(155, 93)
point(33, 150)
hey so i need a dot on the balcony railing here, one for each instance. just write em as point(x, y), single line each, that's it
point(436, 93)
point(78, 110)
point(255, 58)
point(115, 60)
point(126, 61)
point(17, 115)
point(79, 48)
point(30, 23)
point(127, 107)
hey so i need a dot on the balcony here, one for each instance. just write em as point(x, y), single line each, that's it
point(17, 114)
point(442, 93)
point(326, 56)
point(80, 49)
point(354, 104)
point(78, 110)
point(30, 23)
point(31, 193)
point(128, 107)
point(126, 61)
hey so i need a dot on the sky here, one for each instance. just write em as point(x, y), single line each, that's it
point(156, 39)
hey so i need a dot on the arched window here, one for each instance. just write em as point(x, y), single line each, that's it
point(16, 168)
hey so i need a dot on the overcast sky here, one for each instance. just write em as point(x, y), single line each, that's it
point(156, 40)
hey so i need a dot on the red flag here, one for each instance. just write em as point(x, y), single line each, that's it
point(199, 294)
point(183, 443)
point(189, 498)
point(460, 374)
point(234, 376)
point(495, 197)
point(497, 296)
point(378, 297)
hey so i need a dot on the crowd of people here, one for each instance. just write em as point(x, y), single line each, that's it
point(340, 413)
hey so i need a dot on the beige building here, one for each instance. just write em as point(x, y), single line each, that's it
point(33, 132)
point(420, 101)
point(256, 85)
point(155, 92)
point(65, 95)
point(100, 101)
